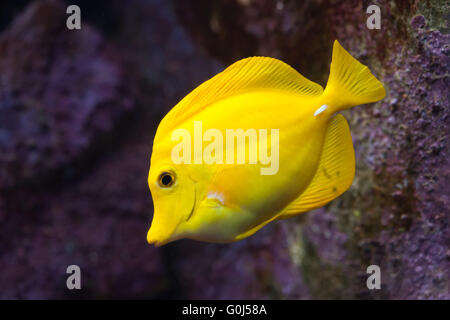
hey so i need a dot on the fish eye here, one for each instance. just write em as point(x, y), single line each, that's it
point(166, 179)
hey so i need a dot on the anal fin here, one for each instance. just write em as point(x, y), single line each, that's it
point(250, 232)
point(334, 174)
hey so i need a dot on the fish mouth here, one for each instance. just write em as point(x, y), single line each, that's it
point(160, 233)
point(153, 238)
point(157, 243)
point(157, 237)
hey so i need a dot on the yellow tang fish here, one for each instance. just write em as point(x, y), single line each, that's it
point(293, 155)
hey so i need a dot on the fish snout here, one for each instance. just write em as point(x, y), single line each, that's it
point(152, 239)
point(171, 209)
point(162, 231)
point(157, 237)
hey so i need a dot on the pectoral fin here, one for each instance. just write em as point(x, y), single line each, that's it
point(334, 174)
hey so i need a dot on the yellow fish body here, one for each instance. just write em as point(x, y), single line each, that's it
point(223, 194)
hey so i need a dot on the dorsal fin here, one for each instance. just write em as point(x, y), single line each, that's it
point(242, 76)
point(335, 172)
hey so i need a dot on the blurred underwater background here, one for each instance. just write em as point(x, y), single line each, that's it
point(79, 109)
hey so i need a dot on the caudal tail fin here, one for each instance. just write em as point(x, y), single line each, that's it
point(351, 83)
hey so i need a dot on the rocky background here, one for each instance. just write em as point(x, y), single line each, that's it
point(78, 111)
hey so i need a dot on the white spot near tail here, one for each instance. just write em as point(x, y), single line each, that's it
point(216, 196)
point(320, 110)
